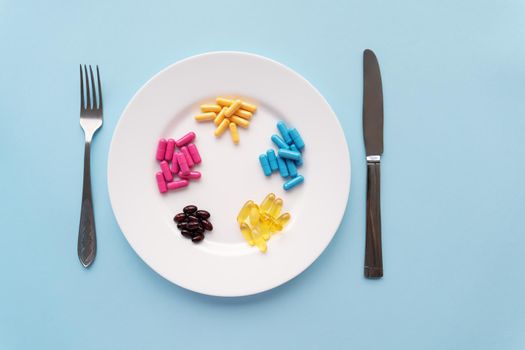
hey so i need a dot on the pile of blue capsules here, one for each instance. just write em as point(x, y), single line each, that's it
point(288, 157)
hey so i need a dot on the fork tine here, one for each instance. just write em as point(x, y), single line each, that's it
point(99, 90)
point(93, 88)
point(88, 93)
point(81, 89)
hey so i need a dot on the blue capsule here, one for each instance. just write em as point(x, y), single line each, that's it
point(272, 159)
point(279, 142)
point(284, 132)
point(292, 169)
point(289, 154)
point(288, 185)
point(300, 161)
point(283, 169)
point(265, 165)
point(297, 139)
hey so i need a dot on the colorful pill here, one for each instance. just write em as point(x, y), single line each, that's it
point(292, 168)
point(187, 155)
point(183, 164)
point(289, 154)
point(245, 211)
point(300, 161)
point(184, 140)
point(170, 148)
point(210, 108)
point(233, 108)
point(279, 142)
point(220, 116)
point(281, 126)
point(175, 163)
point(265, 165)
point(247, 233)
point(259, 241)
point(194, 153)
point(267, 202)
point(222, 127)
point(272, 159)
point(279, 223)
point(277, 205)
point(165, 167)
point(283, 169)
point(297, 139)
point(204, 117)
point(234, 133)
point(288, 185)
point(244, 105)
point(243, 114)
point(194, 175)
point(177, 184)
point(254, 215)
point(161, 149)
point(161, 182)
point(243, 123)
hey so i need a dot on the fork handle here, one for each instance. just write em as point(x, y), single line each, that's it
point(373, 252)
point(87, 238)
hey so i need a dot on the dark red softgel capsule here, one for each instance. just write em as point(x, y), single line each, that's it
point(180, 217)
point(193, 222)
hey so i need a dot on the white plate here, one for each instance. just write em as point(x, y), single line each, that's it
point(223, 264)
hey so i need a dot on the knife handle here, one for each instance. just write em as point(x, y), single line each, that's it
point(373, 252)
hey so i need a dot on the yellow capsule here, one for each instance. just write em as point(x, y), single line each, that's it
point(211, 108)
point(275, 210)
point(233, 108)
point(220, 117)
point(283, 219)
point(259, 241)
point(234, 133)
point(222, 127)
point(244, 212)
point(254, 215)
point(243, 114)
point(267, 202)
point(204, 117)
point(247, 233)
point(243, 123)
point(244, 105)
point(265, 223)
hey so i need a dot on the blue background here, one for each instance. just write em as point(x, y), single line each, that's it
point(452, 185)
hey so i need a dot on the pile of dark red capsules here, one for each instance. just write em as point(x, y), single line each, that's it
point(193, 222)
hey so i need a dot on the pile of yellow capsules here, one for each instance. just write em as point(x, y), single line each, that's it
point(259, 222)
point(227, 114)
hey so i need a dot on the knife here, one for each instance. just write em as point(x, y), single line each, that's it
point(373, 136)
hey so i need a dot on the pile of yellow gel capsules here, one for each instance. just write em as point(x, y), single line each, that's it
point(259, 222)
point(227, 114)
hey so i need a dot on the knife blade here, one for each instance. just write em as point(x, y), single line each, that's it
point(373, 138)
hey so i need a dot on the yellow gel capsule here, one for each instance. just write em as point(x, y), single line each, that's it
point(267, 202)
point(275, 210)
point(260, 242)
point(244, 105)
point(244, 114)
point(254, 215)
point(233, 108)
point(247, 233)
point(222, 127)
point(234, 133)
point(211, 108)
point(205, 117)
point(244, 212)
point(265, 226)
point(220, 117)
point(243, 123)
point(283, 219)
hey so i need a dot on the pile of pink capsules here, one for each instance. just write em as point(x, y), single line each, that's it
point(181, 162)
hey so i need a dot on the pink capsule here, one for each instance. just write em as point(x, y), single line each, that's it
point(194, 153)
point(161, 149)
point(177, 184)
point(184, 140)
point(170, 148)
point(183, 164)
point(165, 167)
point(194, 175)
point(175, 163)
point(186, 153)
point(161, 182)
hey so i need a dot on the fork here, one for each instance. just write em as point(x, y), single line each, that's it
point(90, 121)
